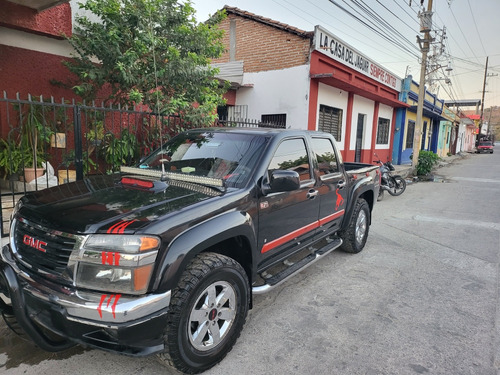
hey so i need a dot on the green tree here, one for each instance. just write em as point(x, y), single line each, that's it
point(152, 52)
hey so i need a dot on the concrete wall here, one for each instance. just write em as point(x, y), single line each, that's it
point(276, 92)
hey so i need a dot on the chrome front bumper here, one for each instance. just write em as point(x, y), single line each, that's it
point(92, 308)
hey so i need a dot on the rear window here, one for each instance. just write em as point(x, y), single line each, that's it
point(485, 143)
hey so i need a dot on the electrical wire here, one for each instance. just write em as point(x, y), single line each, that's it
point(475, 25)
point(370, 27)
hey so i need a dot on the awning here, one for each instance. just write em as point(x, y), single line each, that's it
point(364, 89)
point(431, 114)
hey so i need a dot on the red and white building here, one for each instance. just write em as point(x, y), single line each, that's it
point(309, 80)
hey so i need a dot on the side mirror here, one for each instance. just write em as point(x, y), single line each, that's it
point(281, 180)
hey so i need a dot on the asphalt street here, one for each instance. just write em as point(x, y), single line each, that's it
point(422, 297)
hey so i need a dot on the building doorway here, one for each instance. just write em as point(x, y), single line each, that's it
point(359, 136)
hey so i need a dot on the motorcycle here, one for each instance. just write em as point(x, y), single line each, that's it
point(394, 184)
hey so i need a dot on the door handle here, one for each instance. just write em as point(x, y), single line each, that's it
point(311, 194)
point(341, 184)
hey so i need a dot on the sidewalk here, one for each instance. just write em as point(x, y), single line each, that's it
point(406, 170)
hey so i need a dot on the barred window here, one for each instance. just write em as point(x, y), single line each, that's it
point(410, 134)
point(383, 131)
point(330, 121)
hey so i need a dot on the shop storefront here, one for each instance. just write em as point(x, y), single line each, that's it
point(353, 98)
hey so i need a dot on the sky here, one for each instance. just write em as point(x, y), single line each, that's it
point(386, 31)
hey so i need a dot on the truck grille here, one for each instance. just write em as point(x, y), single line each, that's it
point(45, 251)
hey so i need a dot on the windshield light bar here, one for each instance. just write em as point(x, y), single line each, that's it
point(174, 176)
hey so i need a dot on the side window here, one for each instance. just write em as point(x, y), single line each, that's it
point(325, 155)
point(292, 155)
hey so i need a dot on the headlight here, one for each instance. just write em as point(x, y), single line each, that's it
point(116, 263)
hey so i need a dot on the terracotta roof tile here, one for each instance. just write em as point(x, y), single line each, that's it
point(268, 21)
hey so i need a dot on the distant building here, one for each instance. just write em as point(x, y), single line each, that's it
point(406, 123)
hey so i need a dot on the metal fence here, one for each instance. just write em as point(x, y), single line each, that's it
point(230, 121)
point(44, 143)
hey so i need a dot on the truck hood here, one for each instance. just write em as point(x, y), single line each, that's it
point(103, 204)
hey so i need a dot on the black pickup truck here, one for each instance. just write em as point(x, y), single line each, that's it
point(164, 257)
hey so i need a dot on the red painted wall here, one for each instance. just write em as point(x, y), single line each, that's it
point(230, 97)
point(30, 72)
point(51, 22)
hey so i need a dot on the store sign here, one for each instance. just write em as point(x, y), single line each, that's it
point(331, 46)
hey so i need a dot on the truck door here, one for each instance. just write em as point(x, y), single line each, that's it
point(289, 220)
point(331, 186)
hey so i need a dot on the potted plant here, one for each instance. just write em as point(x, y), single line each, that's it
point(35, 133)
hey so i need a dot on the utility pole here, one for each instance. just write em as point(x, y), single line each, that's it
point(482, 99)
point(425, 27)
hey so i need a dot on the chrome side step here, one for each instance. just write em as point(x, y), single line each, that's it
point(272, 281)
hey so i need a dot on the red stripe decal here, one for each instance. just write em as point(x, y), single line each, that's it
point(331, 217)
point(110, 230)
point(99, 308)
point(119, 227)
point(290, 236)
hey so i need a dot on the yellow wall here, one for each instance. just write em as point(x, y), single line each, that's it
point(411, 116)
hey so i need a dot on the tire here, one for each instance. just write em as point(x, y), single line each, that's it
point(200, 332)
point(397, 185)
point(354, 237)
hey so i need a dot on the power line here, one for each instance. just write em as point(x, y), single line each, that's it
point(406, 49)
point(475, 24)
point(461, 31)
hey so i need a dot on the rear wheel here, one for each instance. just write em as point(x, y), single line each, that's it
point(397, 185)
point(354, 237)
point(207, 313)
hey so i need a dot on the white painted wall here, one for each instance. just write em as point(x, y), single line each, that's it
point(336, 98)
point(364, 106)
point(276, 92)
point(75, 10)
point(39, 43)
point(385, 111)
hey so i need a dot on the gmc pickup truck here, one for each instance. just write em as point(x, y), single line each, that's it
point(163, 258)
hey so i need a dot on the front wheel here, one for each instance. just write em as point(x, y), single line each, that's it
point(397, 185)
point(207, 313)
point(354, 237)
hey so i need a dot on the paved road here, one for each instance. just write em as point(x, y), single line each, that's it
point(422, 298)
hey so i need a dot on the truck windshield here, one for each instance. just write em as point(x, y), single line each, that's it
point(223, 155)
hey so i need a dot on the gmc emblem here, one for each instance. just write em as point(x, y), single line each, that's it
point(34, 243)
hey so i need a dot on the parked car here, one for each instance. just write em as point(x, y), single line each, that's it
point(485, 146)
point(164, 257)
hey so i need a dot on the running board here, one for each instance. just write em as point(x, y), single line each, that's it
point(273, 281)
